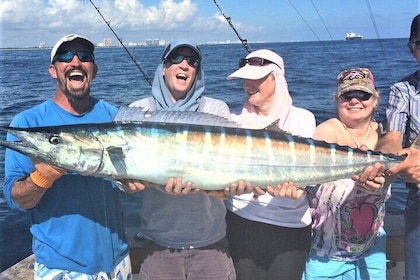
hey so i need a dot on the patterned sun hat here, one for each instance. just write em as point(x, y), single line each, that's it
point(356, 79)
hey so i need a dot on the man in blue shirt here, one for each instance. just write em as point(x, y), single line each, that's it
point(75, 220)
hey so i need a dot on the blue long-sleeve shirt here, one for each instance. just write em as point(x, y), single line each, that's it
point(77, 224)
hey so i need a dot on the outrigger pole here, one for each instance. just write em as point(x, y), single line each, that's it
point(131, 56)
point(243, 41)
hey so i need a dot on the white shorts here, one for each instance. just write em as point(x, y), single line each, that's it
point(121, 272)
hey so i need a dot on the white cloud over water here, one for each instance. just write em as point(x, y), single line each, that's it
point(33, 21)
point(26, 23)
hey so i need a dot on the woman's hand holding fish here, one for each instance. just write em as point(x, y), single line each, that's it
point(287, 189)
point(241, 187)
point(372, 178)
point(238, 188)
point(176, 186)
point(258, 191)
point(132, 186)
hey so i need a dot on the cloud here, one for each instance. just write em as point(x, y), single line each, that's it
point(121, 13)
point(40, 20)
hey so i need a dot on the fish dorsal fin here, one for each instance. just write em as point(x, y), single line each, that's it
point(137, 114)
point(274, 126)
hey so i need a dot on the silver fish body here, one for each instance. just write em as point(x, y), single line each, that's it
point(212, 157)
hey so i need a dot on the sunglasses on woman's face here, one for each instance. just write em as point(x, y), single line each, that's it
point(177, 59)
point(255, 61)
point(359, 95)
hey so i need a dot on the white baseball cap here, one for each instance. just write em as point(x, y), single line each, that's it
point(257, 65)
point(70, 38)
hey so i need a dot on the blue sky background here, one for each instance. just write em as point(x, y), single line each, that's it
point(27, 23)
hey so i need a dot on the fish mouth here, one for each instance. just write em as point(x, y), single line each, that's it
point(57, 146)
point(23, 147)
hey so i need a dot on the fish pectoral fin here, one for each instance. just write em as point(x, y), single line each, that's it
point(117, 157)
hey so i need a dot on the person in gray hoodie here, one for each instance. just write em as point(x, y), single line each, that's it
point(184, 235)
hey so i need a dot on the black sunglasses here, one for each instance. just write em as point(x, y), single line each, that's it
point(83, 56)
point(177, 59)
point(416, 44)
point(359, 95)
point(255, 61)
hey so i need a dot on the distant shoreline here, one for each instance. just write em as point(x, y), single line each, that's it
point(25, 48)
point(203, 44)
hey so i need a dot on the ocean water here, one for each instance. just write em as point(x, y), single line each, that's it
point(311, 69)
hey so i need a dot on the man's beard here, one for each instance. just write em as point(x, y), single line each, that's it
point(75, 96)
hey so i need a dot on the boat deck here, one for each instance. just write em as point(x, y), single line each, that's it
point(394, 226)
point(24, 269)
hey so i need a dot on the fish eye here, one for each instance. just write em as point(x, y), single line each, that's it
point(55, 140)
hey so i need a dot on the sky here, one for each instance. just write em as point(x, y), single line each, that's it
point(27, 23)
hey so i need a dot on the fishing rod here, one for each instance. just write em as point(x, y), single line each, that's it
point(148, 80)
point(379, 38)
point(313, 32)
point(243, 41)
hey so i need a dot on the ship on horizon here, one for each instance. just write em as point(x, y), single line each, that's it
point(353, 36)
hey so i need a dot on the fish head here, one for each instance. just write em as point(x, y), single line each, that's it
point(76, 151)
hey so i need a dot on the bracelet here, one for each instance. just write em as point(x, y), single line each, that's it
point(41, 180)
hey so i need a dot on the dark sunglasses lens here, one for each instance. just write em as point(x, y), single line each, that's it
point(85, 56)
point(242, 62)
point(176, 59)
point(68, 56)
point(192, 61)
point(256, 61)
point(359, 95)
point(64, 57)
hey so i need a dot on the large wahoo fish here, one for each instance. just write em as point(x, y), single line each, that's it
point(211, 156)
